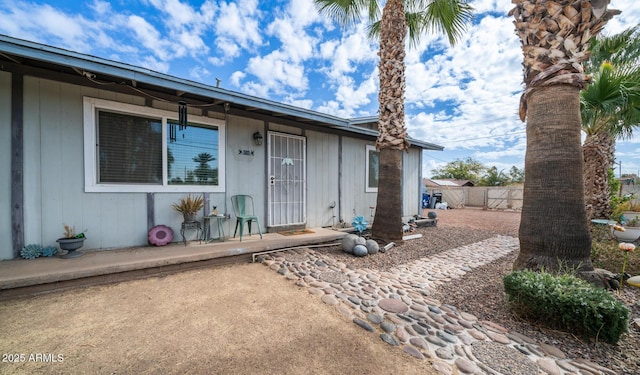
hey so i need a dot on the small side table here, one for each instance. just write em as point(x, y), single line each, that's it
point(191, 225)
point(207, 228)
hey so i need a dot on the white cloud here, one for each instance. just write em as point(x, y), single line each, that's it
point(199, 73)
point(277, 73)
point(238, 24)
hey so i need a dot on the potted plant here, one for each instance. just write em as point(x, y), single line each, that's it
point(631, 211)
point(189, 207)
point(629, 214)
point(71, 242)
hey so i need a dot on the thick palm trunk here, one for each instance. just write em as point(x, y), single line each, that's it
point(598, 150)
point(388, 220)
point(554, 230)
point(392, 138)
point(553, 225)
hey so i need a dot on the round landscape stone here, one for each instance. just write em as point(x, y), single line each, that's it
point(348, 242)
point(503, 358)
point(334, 277)
point(393, 305)
point(372, 246)
point(360, 250)
point(361, 241)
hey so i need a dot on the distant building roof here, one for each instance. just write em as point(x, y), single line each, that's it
point(446, 182)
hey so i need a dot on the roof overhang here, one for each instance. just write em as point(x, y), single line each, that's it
point(44, 61)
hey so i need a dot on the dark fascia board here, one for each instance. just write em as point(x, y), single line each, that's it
point(92, 64)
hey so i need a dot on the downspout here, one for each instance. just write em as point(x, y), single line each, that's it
point(340, 220)
point(226, 107)
point(17, 162)
point(265, 168)
point(402, 183)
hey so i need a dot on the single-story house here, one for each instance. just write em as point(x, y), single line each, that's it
point(104, 146)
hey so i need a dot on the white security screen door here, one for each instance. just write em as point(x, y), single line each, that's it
point(287, 179)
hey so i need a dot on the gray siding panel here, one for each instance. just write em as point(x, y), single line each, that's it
point(246, 173)
point(355, 200)
point(322, 179)
point(410, 183)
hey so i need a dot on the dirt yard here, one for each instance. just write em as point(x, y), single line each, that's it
point(240, 319)
point(503, 222)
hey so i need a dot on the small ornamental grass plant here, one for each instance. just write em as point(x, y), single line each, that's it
point(568, 303)
point(189, 206)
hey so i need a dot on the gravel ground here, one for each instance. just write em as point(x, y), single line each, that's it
point(460, 227)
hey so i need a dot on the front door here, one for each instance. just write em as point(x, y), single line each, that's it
point(287, 179)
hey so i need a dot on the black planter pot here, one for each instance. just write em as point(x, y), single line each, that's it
point(71, 245)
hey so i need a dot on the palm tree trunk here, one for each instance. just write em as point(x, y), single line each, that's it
point(598, 150)
point(553, 224)
point(387, 224)
point(392, 138)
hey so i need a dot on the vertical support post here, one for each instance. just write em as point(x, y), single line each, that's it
point(151, 211)
point(17, 162)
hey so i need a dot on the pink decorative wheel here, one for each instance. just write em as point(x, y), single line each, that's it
point(160, 235)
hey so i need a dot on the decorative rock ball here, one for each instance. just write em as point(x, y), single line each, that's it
point(348, 242)
point(360, 250)
point(432, 215)
point(360, 241)
point(372, 246)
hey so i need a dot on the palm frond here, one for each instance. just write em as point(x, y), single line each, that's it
point(348, 12)
point(449, 17)
point(619, 49)
point(612, 101)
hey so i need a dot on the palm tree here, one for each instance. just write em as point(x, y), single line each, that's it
point(610, 109)
point(398, 17)
point(555, 36)
point(203, 172)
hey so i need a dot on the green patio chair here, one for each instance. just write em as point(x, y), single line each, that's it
point(245, 213)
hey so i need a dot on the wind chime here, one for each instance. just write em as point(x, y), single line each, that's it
point(182, 121)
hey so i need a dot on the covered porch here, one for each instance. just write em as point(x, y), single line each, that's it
point(20, 277)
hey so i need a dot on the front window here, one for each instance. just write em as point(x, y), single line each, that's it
point(373, 168)
point(192, 155)
point(131, 148)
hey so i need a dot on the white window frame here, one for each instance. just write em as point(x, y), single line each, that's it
point(91, 161)
point(367, 188)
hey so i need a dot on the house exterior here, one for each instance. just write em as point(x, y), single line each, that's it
point(99, 145)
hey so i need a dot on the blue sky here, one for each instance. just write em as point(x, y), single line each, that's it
point(464, 98)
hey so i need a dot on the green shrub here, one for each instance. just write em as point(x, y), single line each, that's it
point(568, 303)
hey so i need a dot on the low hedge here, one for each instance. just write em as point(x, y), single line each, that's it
point(568, 303)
